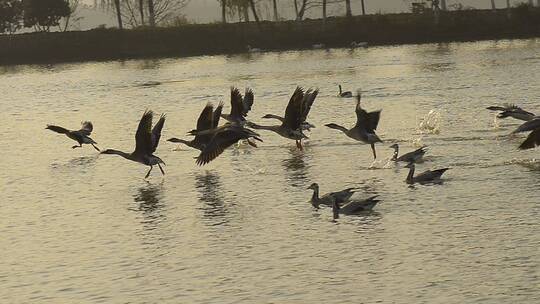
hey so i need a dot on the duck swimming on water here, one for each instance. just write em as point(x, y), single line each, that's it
point(364, 129)
point(346, 94)
point(208, 119)
point(146, 142)
point(82, 136)
point(354, 207)
point(424, 177)
point(295, 114)
point(340, 197)
point(413, 156)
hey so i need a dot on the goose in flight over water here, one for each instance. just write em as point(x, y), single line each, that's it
point(424, 177)
point(510, 110)
point(240, 106)
point(208, 119)
point(364, 129)
point(146, 142)
point(410, 157)
point(354, 207)
point(295, 114)
point(533, 140)
point(346, 94)
point(81, 136)
point(340, 197)
point(222, 138)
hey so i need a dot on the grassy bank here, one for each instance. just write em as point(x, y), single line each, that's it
point(201, 39)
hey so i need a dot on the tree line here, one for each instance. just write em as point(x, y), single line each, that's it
point(41, 15)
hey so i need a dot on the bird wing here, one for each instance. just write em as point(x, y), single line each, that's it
point(528, 126)
point(58, 129)
point(143, 137)
point(533, 140)
point(205, 118)
point(308, 100)
point(86, 128)
point(357, 206)
point(237, 105)
point(368, 121)
point(293, 112)
point(220, 141)
point(156, 132)
point(247, 103)
point(217, 115)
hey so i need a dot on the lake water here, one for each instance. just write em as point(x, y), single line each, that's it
point(78, 227)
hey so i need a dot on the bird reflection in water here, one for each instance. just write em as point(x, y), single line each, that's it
point(210, 188)
point(296, 168)
point(148, 199)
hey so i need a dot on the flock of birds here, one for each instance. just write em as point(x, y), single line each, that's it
point(211, 139)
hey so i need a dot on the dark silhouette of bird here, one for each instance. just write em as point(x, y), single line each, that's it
point(208, 119)
point(341, 197)
point(510, 110)
point(364, 129)
point(346, 94)
point(354, 207)
point(428, 176)
point(81, 136)
point(533, 139)
point(240, 106)
point(295, 114)
point(413, 156)
point(146, 142)
point(222, 138)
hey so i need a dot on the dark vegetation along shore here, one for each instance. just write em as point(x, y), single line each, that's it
point(203, 39)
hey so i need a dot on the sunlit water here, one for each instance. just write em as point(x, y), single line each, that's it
point(81, 228)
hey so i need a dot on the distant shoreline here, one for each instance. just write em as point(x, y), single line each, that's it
point(213, 39)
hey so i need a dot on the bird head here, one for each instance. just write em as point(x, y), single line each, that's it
point(394, 146)
point(313, 186)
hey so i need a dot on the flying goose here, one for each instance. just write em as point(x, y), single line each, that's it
point(510, 110)
point(240, 106)
point(354, 207)
point(341, 197)
point(81, 136)
point(346, 94)
point(414, 156)
point(295, 114)
point(364, 129)
point(208, 119)
point(424, 177)
point(222, 138)
point(146, 142)
point(533, 140)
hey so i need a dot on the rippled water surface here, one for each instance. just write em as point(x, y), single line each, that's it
point(77, 227)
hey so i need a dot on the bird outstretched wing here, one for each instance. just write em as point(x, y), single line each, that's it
point(309, 98)
point(293, 112)
point(247, 102)
point(156, 133)
point(532, 141)
point(86, 128)
point(143, 137)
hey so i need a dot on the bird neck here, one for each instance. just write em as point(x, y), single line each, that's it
point(315, 196)
point(259, 127)
point(116, 152)
point(411, 174)
point(337, 127)
point(340, 89)
point(274, 116)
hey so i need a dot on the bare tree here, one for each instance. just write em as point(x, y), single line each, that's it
point(118, 13)
point(72, 16)
point(151, 13)
point(254, 10)
point(493, 7)
point(158, 11)
point(348, 11)
point(443, 5)
point(274, 4)
point(363, 8)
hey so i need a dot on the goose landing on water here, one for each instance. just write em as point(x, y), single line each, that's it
point(146, 142)
point(424, 177)
point(81, 136)
point(340, 197)
point(208, 119)
point(411, 157)
point(533, 140)
point(295, 114)
point(364, 129)
point(354, 207)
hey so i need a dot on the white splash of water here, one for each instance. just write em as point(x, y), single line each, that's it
point(431, 123)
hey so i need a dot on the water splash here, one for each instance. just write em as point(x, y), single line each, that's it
point(431, 123)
